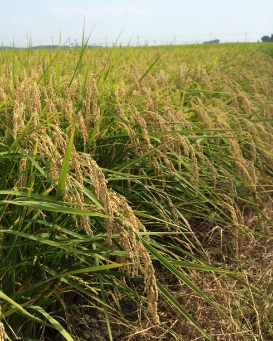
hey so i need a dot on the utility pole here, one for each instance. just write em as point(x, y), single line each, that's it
point(245, 37)
point(60, 39)
point(52, 42)
point(27, 41)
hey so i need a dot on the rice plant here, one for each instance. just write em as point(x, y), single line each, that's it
point(136, 186)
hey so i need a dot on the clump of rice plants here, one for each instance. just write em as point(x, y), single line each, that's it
point(136, 187)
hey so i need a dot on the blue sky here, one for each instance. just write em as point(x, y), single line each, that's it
point(154, 21)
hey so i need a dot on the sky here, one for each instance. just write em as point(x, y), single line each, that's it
point(134, 22)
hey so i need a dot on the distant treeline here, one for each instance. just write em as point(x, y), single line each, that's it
point(215, 41)
point(267, 38)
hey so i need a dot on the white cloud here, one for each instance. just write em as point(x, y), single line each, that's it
point(66, 11)
point(21, 20)
point(118, 11)
point(99, 13)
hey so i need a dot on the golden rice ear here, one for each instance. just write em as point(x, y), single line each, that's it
point(126, 225)
point(202, 113)
point(213, 172)
point(94, 95)
point(22, 168)
point(52, 146)
point(3, 334)
point(18, 118)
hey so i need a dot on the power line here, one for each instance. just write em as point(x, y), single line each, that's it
point(137, 40)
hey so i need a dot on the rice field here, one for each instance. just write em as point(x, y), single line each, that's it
point(136, 193)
